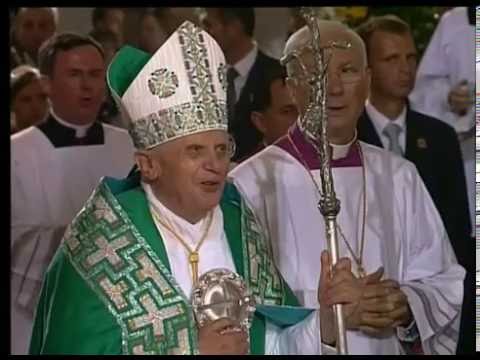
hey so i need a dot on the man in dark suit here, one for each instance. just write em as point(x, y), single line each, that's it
point(233, 29)
point(429, 143)
point(273, 110)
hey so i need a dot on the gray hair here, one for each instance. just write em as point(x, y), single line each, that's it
point(331, 28)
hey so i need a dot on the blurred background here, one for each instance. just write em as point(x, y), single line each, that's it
point(270, 38)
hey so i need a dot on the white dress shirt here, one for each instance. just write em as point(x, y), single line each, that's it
point(243, 68)
point(380, 121)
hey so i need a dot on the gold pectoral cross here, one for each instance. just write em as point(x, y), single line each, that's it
point(193, 259)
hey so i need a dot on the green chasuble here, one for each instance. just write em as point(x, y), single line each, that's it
point(109, 288)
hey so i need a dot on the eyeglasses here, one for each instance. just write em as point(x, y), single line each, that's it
point(347, 75)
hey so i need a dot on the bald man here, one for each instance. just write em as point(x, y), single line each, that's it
point(32, 27)
point(398, 277)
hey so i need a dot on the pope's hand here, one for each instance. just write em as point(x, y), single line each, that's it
point(220, 337)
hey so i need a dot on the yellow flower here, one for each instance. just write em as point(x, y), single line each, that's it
point(351, 12)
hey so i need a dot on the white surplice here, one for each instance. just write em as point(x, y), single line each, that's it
point(448, 60)
point(403, 233)
point(49, 186)
point(215, 253)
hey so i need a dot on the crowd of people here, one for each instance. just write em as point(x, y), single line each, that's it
point(138, 167)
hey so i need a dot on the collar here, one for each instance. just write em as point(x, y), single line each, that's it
point(244, 65)
point(342, 155)
point(380, 121)
point(80, 130)
point(62, 134)
point(341, 151)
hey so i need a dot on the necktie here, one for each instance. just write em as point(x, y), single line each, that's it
point(231, 93)
point(392, 131)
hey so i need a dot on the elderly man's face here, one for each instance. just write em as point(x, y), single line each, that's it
point(192, 173)
point(348, 83)
point(33, 26)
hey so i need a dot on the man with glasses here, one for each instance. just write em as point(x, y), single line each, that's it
point(397, 276)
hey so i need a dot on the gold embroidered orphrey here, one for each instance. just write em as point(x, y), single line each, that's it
point(154, 314)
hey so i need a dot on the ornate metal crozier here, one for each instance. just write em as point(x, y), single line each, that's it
point(313, 125)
